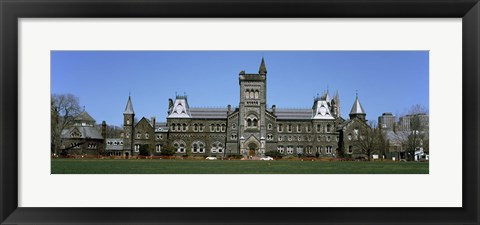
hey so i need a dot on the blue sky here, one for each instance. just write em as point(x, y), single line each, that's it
point(386, 81)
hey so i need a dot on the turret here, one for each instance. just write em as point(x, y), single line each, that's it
point(263, 68)
point(357, 110)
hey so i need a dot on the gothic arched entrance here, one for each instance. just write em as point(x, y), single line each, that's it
point(126, 155)
point(252, 148)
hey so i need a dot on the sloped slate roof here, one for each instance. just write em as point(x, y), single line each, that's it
point(209, 113)
point(357, 107)
point(294, 114)
point(86, 132)
point(84, 116)
point(129, 107)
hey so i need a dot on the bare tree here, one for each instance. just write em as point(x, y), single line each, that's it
point(370, 140)
point(414, 132)
point(64, 108)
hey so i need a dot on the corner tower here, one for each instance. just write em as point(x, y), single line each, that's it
point(128, 128)
point(357, 110)
point(253, 95)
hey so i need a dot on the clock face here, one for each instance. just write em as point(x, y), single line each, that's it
point(179, 109)
point(322, 110)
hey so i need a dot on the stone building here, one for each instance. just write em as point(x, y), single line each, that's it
point(84, 137)
point(251, 129)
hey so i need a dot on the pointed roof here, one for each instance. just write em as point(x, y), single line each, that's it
point(84, 116)
point(129, 107)
point(263, 68)
point(357, 107)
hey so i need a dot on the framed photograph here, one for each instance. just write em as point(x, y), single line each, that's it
point(138, 112)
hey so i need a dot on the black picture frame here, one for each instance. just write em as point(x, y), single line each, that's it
point(11, 11)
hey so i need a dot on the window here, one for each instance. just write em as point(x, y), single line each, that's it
point(75, 134)
point(218, 127)
point(223, 127)
point(234, 126)
point(128, 121)
point(299, 149)
point(280, 128)
point(254, 123)
point(289, 138)
point(300, 138)
point(269, 137)
point(289, 150)
point(184, 127)
point(139, 135)
point(319, 127)
point(269, 126)
point(256, 94)
point(127, 135)
point(279, 138)
point(75, 145)
point(212, 127)
point(329, 128)
point(350, 149)
point(355, 134)
point(217, 147)
point(349, 136)
point(180, 147)
point(137, 148)
point(299, 128)
point(328, 138)
point(328, 149)
point(158, 148)
point(289, 128)
point(198, 147)
point(309, 128)
point(92, 146)
point(280, 149)
point(147, 136)
point(201, 127)
point(233, 137)
point(308, 149)
point(195, 127)
point(319, 149)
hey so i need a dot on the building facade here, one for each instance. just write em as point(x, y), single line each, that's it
point(251, 130)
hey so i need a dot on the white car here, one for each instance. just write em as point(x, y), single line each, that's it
point(211, 158)
point(266, 158)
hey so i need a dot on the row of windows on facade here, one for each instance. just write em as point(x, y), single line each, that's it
point(197, 147)
point(251, 94)
point(293, 138)
point(76, 145)
point(197, 127)
point(145, 135)
point(308, 149)
point(319, 128)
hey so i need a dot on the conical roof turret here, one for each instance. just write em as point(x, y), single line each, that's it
point(129, 107)
point(357, 107)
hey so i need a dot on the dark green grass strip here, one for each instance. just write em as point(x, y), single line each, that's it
point(132, 166)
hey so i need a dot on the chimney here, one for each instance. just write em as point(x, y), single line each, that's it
point(102, 147)
point(152, 120)
point(229, 109)
point(273, 109)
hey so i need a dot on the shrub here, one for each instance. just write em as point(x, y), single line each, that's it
point(274, 154)
point(168, 151)
point(235, 156)
point(144, 150)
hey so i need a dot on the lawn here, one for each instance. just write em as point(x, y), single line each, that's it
point(165, 166)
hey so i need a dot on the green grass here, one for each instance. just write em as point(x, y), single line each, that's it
point(165, 166)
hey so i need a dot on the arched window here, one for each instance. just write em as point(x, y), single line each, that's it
point(223, 127)
point(350, 149)
point(195, 127)
point(234, 126)
point(254, 122)
point(194, 148)
point(256, 94)
point(249, 122)
point(252, 94)
point(218, 127)
point(173, 127)
point(329, 127)
point(350, 137)
point(147, 136)
point(184, 127)
point(247, 94)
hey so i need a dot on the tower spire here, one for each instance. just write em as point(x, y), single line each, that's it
point(263, 68)
point(357, 110)
point(129, 107)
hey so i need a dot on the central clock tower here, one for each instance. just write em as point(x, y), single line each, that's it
point(253, 95)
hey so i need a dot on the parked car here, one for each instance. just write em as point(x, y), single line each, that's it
point(211, 158)
point(266, 158)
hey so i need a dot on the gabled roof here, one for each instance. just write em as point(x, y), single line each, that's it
point(85, 132)
point(357, 107)
point(84, 116)
point(129, 107)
